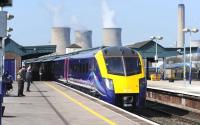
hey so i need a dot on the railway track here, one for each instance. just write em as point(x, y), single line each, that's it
point(165, 115)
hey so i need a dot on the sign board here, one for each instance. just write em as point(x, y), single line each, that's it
point(3, 23)
point(4, 3)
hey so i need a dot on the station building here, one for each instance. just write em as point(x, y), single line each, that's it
point(15, 54)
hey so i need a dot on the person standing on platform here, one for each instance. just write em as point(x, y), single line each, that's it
point(28, 78)
point(41, 73)
point(21, 76)
point(4, 82)
point(198, 75)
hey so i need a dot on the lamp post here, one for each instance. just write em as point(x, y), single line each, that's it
point(193, 30)
point(156, 38)
point(3, 33)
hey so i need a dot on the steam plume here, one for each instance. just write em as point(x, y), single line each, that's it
point(56, 11)
point(108, 16)
point(76, 25)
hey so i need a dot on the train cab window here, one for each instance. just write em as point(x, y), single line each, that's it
point(133, 65)
point(114, 65)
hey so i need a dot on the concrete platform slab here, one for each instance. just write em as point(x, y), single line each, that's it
point(176, 86)
point(52, 104)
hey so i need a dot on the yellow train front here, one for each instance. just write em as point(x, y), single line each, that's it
point(121, 74)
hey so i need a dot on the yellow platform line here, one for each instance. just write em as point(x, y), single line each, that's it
point(82, 105)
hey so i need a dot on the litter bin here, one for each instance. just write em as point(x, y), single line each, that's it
point(171, 80)
point(155, 77)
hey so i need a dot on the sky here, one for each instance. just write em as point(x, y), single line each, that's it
point(139, 19)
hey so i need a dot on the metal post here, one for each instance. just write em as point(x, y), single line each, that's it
point(1, 93)
point(156, 38)
point(190, 74)
point(184, 69)
point(5, 3)
point(193, 30)
point(156, 57)
point(3, 54)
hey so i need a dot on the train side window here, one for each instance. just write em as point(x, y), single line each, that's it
point(77, 68)
point(74, 68)
point(82, 68)
point(86, 68)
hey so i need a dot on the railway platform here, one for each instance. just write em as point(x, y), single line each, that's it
point(50, 103)
point(177, 86)
point(178, 93)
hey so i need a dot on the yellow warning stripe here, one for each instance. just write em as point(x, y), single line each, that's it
point(82, 105)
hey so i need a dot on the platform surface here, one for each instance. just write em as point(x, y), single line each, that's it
point(176, 86)
point(51, 104)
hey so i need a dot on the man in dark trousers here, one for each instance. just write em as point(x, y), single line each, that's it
point(28, 78)
point(21, 75)
point(41, 73)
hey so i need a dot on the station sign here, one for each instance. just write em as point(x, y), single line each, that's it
point(3, 24)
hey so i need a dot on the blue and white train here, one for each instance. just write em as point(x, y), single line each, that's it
point(115, 74)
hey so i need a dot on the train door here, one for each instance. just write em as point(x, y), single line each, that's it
point(10, 67)
point(66, 68)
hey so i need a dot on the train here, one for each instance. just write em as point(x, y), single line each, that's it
point(115, 74)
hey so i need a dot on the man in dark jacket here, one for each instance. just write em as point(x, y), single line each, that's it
point(28, 78)
point(21, 75)
point(4, 82)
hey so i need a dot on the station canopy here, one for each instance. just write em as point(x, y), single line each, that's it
point(148, 49)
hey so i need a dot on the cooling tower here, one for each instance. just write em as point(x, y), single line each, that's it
point(60, 36)
point(84, 39)
point(112, 37)
point(181, 26)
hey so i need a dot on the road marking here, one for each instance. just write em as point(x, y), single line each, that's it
point(82, 105)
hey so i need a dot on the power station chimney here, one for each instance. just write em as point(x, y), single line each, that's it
point(112, 36)
point(84, 39)
point(60, 36)
point(181, 26)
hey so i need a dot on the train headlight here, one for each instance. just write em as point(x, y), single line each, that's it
point(109, 83)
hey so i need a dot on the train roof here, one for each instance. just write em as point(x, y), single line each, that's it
point(61, 57)
point(119, 51)
point(78, 54)
point(86, 53)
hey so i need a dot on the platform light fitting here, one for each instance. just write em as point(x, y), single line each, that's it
point(9, 29)
point(10, 16)
point(8, 35)
point(156, 37)
point(194, 30)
